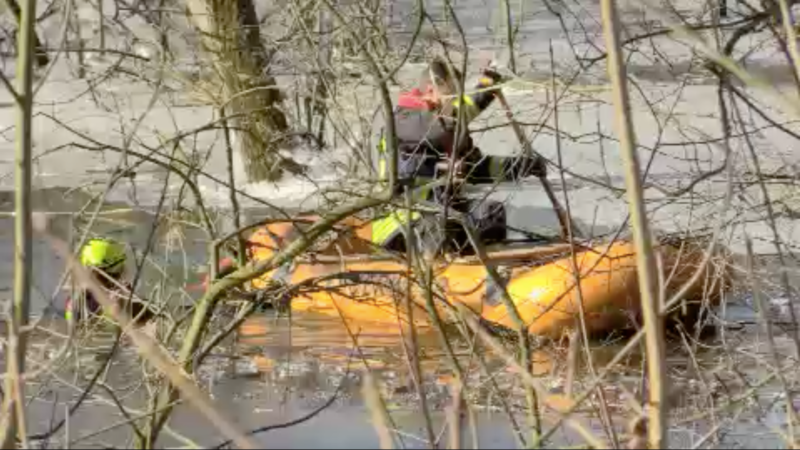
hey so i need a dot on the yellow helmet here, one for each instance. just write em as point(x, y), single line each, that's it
point(104, 254)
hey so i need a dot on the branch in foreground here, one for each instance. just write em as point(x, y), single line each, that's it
point(14, 421)
point(645, 255)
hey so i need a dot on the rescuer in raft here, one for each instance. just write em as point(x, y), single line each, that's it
point(426, 121)
point(106, 259)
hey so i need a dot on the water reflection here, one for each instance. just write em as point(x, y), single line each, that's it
point(327, 338)
point(312, 346)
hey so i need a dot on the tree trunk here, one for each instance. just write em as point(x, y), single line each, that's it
point(231, 37)
point(41, 57)
point(319, 78)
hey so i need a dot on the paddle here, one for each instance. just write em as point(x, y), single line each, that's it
point(563, 219)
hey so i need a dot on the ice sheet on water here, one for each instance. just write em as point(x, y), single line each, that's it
point(325, 168)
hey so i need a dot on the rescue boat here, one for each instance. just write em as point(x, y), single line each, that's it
point(346, 277)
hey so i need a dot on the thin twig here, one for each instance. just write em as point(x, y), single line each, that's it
point(645, 256)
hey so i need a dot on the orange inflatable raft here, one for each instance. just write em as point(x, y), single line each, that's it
point(346, 277)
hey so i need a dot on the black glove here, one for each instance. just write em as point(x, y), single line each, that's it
point(490, 78)
point(536, 166)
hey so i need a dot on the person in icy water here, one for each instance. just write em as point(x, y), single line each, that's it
point(426, 125)
point(106, 259)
